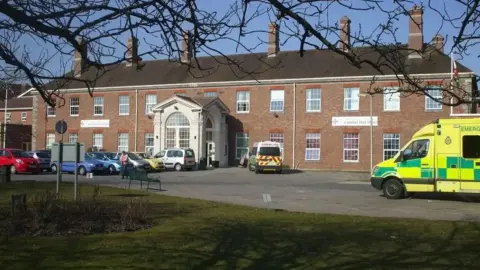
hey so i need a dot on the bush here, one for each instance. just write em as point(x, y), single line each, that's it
point(48, 215)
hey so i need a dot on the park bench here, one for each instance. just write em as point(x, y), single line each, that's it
point(142, 176)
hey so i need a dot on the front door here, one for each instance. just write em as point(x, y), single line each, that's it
point(417, 168)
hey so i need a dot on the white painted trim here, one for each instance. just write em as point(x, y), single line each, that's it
point(20, 109)
point(268, 82)
point(26, 92)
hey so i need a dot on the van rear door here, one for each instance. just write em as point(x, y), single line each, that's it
point(189, 157)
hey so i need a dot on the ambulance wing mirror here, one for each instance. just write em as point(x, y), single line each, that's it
point(400, 157)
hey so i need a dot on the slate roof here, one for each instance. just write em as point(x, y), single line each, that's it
point(13, 101)
point(202, 101)
point(257, 66)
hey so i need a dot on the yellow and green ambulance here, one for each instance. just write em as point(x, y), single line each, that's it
point(443, 156)
point(265, 156)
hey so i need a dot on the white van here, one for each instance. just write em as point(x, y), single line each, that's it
point(177, 158)
point(265, 156)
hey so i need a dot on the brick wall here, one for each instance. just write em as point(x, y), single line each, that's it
point(259, 122)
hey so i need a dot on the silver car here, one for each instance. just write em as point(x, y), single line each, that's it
point(136, 161)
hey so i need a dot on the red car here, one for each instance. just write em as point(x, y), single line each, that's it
point(19, 160)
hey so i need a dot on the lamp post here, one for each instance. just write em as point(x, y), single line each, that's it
point(371, 130)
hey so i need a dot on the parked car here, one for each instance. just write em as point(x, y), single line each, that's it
point(110, 165)
point(177, 158)
point(19, 161)
point(155, 163)
point(43, 157)
point(136, 161)
point(90, 165)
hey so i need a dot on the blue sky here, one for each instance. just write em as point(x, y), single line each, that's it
point(367, 21)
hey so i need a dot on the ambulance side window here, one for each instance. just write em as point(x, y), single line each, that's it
point(471, 146)
point(417, 149)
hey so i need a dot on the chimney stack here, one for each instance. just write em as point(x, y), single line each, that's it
point(345, 33)
point(132, 51)
point(438, 41)
point(186, 47)
point(415, 35)
point(79, 64)
point(273, 40)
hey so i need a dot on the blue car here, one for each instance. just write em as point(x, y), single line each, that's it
point(90, 165)
point(111, 165)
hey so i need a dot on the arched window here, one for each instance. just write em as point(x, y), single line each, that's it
point(177, 131)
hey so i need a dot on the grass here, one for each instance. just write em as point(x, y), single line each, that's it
point(195, 234)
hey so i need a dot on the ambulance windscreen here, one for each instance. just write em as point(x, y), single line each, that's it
point(269, 151)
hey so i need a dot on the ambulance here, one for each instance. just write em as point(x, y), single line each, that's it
point(265, 156)
point(443, 156)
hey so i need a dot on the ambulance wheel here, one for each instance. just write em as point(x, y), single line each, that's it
point(393, 189)
point(257, 170)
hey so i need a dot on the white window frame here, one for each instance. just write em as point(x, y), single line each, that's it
point(312, 136)
point(100, 106)
point(277, 96)
point(9, 116)
point(24, 116)
point(308, 99)
point(391, 96)
point(246, 101)
point(397, 138)
point(147, 147)
point(50, 110)
point(49, 140)
point(149, 104)
point(94, 140)
point(430, 101)
point(246, 136)
point(120, 139)
point(353, 97)
point(71, 136)
point(75, 106)
point(351, 149)
point(120, 104)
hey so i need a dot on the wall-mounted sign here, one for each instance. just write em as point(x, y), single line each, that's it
point(101, 123)
point(353, 121)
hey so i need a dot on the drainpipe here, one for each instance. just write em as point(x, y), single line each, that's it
point(136, 118)
point(294, 120)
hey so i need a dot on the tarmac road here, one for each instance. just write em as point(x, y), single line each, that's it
point(317, 192)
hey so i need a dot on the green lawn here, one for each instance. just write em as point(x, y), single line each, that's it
point(195, 234)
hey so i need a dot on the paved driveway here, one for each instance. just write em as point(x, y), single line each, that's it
point(319, 192)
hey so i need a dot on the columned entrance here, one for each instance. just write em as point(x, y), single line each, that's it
point(195, 123)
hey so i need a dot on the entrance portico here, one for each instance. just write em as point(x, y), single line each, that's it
point(196, 123)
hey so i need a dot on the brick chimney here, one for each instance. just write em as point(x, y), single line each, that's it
point(438, 42)
point(273, 40)
point(345, 33)
point(132, 51)
point(186, 47)
point(415, 35)
point(79, 64)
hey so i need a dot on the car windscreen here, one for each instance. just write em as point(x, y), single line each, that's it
point(111, 155)
point(132, 156)
point(44, 154)
point(189, 154)
point(97, 155)
point(269, 151)
point(19, 154)
point(161, 154)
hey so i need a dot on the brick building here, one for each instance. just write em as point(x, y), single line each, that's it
point(19, 117)
point(312, 104)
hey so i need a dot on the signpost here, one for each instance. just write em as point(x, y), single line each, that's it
point(61, 128)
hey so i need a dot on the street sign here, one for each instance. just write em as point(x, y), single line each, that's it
point(61, 127)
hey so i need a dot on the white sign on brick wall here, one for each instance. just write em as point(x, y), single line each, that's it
point(100, 123)
point(353, 121)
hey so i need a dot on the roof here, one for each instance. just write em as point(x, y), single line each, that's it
point(202, 101)
point(13, 103)
point(257, 66)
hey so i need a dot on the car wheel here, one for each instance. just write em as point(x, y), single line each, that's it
point(53, 168)
point(111, 169)
point(178, 167)
point(393, 189)
point(13, 170)
point(257, 170)
point(82, 170)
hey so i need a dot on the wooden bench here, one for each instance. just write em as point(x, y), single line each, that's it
point(141, 175)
